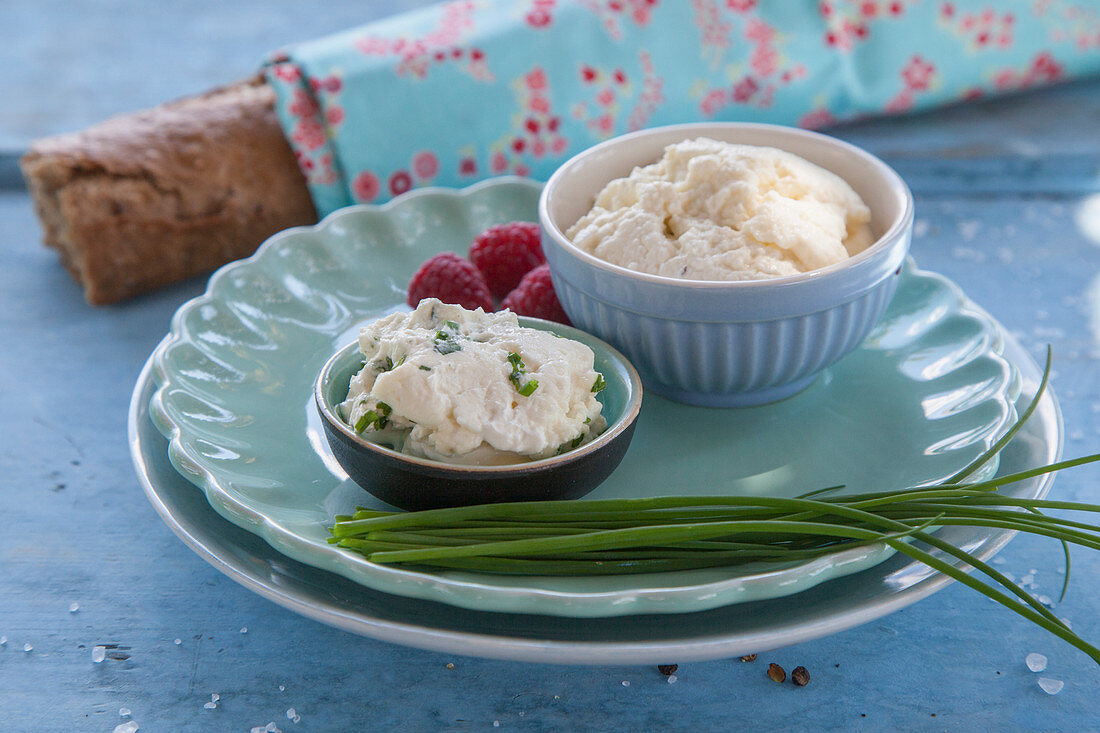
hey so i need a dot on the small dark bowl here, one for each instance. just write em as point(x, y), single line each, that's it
point(414, 483)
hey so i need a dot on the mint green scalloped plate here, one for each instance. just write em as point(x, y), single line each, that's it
point(926, 393)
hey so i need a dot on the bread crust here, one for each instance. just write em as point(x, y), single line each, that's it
point(147, 199)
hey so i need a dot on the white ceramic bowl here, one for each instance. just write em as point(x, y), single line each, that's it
point(727, 343)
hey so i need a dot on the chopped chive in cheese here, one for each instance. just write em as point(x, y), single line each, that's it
point(455, 394)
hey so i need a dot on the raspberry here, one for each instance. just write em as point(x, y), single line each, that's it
point(451, 279)
point(505, 253)
point(535, 296)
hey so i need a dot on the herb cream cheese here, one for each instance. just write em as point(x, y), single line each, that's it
point(710, 210)
point(470, 387)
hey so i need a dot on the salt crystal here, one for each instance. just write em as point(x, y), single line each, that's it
point(214, 697)
point(1042, 332)
point(128, 727)
point(177, 642)
point(998, 561)
point(74, 607)
point(1027, 579)
point(626, 683)
point(244, 629)
point(496, 723)
point(257, 729)
point(672, 679)
point(272, 728)
point(290, 712)
point(1067, 623)
point(968, 254)
point(1045, 600)
point(27, 647)
point(124, 712)
point(282, 687)
point(99, 653)
point(969, 229)
point(920, 227)
point(1051, 687)
point(1033, 571)
point(3, 641)
point(1036, 662)
point(210, 705)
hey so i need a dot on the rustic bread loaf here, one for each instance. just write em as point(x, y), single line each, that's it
point(147, 199)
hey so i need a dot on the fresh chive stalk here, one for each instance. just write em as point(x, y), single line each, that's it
point(669, 533)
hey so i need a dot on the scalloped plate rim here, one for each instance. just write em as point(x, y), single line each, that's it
point(529, 648)
point(428, 586)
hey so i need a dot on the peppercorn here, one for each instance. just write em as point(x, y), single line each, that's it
point(776, 673)
point(667, 669)
point(748, 658)
point(800, 676)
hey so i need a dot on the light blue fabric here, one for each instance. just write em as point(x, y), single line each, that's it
point(466, 90)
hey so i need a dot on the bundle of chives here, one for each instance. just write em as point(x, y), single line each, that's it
point(619, 536)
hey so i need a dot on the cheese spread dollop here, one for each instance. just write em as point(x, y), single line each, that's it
point(471, 387)
point(710, 210)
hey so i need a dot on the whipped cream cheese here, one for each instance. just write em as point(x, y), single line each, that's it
point(471, 387)
point(710, 210)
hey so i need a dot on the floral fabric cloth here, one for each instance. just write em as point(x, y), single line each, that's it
point(477, 88)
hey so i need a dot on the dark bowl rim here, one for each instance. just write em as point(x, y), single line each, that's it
point(630, 415)
point(881, 245)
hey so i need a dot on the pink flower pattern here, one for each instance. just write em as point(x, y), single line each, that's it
point(716, 31)
point(609, 89)
point(425, 165)
point(400, 182)
point(541, 14)
point(919, 75)
point(651, 96)
point(444, 45)
point(366, 187)
point(744, 64)
point(982, 30)
point(848, 22)
point(817, 118)
point(1043, 69)
point(1070, 22)
point(536, 130)
point(613, 12)
point(768, 71)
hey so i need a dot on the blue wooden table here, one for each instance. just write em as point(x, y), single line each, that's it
point(1008, 205)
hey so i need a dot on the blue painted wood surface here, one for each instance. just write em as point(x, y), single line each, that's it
point(1008, 205)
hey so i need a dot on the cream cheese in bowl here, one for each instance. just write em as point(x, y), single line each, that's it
point(712, 210)
point(444, 407)
point(469, 387)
